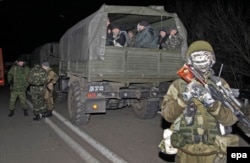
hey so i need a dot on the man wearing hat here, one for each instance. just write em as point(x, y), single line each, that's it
point(174, 40)
point(146, 36)
point(52, 79)
point(163, 36)
point(17, 79)
point(119, 37)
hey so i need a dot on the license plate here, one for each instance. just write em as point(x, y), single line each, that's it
point(96, 88)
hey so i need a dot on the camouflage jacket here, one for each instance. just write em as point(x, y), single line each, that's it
point(52, 76)
point(37, 76)
point(17, 78)
point(172, 42)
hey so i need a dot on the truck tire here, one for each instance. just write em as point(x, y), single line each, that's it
point(76, 108)
point(146, 108)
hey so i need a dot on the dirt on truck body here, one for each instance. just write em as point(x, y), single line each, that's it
point(99, 77)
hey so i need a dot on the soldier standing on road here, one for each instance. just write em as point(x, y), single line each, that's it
point(196, 115)
point(52, 79)
point(17, 79)
point(38, 79)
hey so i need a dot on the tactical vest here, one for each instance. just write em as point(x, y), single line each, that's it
point(204, 128)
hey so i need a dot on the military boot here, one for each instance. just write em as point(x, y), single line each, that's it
point(11, 113)
point(25, 112)
point(36, 118)
point(49, 113)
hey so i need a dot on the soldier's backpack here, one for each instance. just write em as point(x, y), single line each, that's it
point(38, 76)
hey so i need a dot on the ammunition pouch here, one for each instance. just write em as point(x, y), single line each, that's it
point(179, 139)
point(200, 138)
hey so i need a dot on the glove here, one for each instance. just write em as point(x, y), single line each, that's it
point(191, 90)
point(206, 99)
point(196, 90)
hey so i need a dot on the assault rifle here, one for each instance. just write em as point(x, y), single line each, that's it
point(224, 95)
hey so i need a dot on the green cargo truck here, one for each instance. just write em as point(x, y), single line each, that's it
point(99, 77)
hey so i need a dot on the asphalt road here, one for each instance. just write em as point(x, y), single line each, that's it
point(25, 141)
point(117, 136)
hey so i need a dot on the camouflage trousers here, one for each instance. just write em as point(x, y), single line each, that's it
point(49, 99)
point(13, 98)
point(37, 95)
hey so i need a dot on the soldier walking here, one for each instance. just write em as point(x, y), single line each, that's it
point(38, 79)
point(17, 79)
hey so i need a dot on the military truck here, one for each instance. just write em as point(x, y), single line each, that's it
point(99, 77)
point(49, 52)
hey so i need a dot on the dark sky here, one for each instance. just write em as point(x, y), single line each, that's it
point(26, 25)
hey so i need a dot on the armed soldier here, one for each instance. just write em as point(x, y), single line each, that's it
point(200, 122)
point(17, 79)
point(52, 79)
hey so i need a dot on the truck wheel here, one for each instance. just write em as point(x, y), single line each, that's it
point(146, 108)
point(76, 109)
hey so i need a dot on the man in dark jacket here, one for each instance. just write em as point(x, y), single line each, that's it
point(146, 36)
point(163, 36)
point(119, 37)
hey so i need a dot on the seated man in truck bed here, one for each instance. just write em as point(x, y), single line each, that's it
point(146, 36)
point(119, 37)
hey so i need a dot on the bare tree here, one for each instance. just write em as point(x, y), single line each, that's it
point(225, 25)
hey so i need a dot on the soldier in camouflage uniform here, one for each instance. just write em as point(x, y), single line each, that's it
point(52, 79)
point(17, 79)
point(195, 118)
point(38, 80)
point(174, 40)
